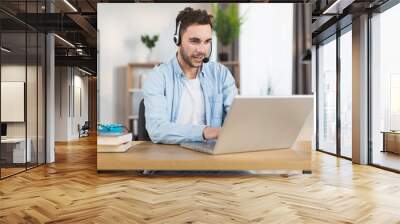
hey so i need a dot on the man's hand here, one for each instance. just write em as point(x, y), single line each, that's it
point(211, 133)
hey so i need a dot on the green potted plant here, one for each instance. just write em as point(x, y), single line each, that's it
point(226, 25)
point(150, 42)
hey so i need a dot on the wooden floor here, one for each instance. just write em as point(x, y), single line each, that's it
point(387, 159)
point(71, 191)
point(10, 171)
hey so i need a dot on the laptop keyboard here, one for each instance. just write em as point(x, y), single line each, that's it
point(206, 147)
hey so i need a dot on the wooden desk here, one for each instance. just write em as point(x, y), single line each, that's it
point(149, 156)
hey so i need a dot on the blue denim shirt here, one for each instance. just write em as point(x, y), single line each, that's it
point(162, 93)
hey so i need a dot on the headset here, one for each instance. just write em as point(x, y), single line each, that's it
point(177, 41)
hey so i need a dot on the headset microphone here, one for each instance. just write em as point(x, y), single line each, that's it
point(207, 59)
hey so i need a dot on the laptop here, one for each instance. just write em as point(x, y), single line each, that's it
point(259, 123)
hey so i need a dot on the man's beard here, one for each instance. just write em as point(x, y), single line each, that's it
point(186, 58)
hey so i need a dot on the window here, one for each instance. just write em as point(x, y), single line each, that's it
point(22, 75)
point(327, 96)
point(346, 94)
point(385, 87)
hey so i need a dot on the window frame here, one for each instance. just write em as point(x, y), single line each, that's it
point(333, 37)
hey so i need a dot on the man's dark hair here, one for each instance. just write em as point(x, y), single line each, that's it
point(189, 16)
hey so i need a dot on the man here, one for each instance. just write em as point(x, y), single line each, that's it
point(187, 98)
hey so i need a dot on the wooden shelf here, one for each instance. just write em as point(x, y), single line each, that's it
point(144, 65)
point(230, 63)
point(135, 90)
point(131, 117)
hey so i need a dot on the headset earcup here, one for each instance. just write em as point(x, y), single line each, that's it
point(177, 40)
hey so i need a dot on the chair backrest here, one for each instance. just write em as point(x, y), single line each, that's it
point(86, 125)
point(142, 132)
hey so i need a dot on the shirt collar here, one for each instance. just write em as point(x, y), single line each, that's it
point(178, 70)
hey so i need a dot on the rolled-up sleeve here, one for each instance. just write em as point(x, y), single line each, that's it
point(158, 125)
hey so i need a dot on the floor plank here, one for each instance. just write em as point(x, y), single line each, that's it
point(71, 191)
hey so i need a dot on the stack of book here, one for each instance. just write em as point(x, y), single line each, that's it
point(114, 143)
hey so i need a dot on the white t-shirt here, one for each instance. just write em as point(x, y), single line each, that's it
point(191, 107)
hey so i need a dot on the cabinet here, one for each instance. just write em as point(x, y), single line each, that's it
point(391, 142)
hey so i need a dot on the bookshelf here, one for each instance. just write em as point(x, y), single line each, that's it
point(135, 76)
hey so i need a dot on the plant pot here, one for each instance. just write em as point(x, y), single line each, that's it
point(223, 56)
point(150, 55)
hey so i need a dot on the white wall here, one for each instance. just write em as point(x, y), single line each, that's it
point(80, 82)
point(119, 29)
point(33, 126)
point(66, 121)
point(266, 48)
point(61, 103)
point(17, 73)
